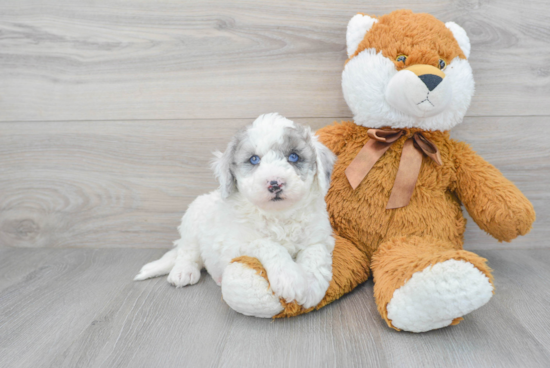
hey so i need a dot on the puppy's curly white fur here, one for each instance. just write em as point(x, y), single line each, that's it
point(270, 205)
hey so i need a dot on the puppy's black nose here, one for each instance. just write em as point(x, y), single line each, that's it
point(274, 188)
point(430, 80)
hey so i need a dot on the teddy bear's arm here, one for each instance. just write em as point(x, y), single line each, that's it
point(493, 201)
point(333, 136)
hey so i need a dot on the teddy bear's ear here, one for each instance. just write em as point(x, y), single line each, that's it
point(461, 37)
point(358, 26)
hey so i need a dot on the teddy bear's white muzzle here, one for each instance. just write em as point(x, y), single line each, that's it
point(420, 96)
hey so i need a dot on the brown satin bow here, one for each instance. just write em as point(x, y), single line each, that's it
point(409, 166)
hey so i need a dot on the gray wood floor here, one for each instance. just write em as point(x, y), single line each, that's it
point(79, 308)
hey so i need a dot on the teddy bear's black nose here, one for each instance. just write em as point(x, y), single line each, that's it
point(430, 80)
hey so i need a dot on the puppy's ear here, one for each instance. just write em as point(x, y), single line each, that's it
point(325, 162)
point(221, 166)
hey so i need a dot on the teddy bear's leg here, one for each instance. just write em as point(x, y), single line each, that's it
point(422, 283)
point(245, 284)
point(246, 290)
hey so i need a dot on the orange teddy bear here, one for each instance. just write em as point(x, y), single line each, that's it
point(399, 181)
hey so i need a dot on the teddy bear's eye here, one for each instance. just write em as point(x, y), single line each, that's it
point(402, 58)
point(442, 64)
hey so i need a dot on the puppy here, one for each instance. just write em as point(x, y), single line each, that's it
point(270, 205)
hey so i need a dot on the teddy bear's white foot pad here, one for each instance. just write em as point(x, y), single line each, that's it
point(437, 295)
point(248, 293)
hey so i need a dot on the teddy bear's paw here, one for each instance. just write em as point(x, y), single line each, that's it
point(248, 293)
point(184, 274)
point(438, 296)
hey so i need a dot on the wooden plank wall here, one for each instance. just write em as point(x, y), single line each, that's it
point(109, 109)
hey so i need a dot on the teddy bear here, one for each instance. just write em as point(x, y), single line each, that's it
point(399, 183)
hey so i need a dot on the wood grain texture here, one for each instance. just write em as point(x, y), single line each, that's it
point(127, 184)
point(122, 60)
point(109, 110)
point(79, 308)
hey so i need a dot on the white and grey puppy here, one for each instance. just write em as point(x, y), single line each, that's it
point(273, 178)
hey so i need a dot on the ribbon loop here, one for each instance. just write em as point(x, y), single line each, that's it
point(409, 166)
point(427, 147)
point(386, 136)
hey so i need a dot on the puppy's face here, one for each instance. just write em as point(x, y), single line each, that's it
point(274, 163)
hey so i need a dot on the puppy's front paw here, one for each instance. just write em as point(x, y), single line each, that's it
point(289, 284)
point(184, 274)
point(315, 292)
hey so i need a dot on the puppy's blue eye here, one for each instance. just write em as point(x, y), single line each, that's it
point(293, 157)
point(254, 160)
